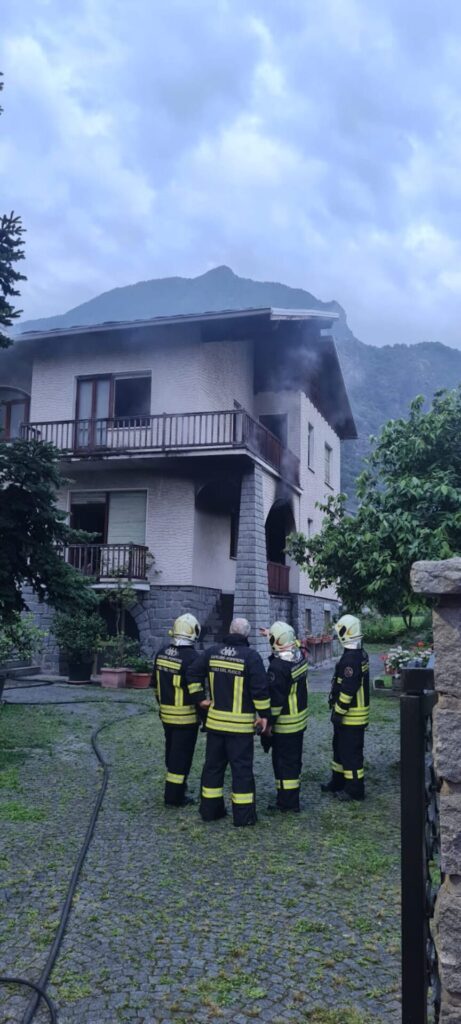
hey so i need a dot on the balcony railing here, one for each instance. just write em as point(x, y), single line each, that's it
point(109, 561)
point(168, 432)
point(278, 578)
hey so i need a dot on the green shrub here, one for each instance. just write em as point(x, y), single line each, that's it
point(382, 628)
point(20, 638)
point(80, 633)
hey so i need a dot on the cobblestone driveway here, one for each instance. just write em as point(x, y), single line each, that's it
point(174, 921)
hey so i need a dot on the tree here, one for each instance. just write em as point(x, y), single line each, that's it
point(11, 252)
point(33, 532)
point(410, 509)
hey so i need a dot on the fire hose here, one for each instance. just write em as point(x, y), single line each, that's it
point(39, 988)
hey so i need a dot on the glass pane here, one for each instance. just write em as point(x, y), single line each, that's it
point(132, 397)
point(102, 399)
point(85, 399)
point(17, 416)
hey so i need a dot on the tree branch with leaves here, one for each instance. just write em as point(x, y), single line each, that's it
point(410, 510)
point(11, 253)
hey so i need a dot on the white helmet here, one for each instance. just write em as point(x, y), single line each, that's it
point(349, 631)
point(282, 637)
point(186, 629)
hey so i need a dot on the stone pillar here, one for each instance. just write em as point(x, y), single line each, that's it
point(251, 598)
point(443, 580)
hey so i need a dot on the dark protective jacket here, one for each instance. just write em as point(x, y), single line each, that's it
point(170, 665)
point(350, 689)
point(232, 674)
point(288, 692)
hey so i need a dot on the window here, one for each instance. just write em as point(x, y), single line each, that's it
point(131, 397)
point(234, 534)
point(100, 399)
point(310, 446)
point(328, 454)
point(310, 527)
point(277, 425)
point(327, 620)
point(308, 622)
point(12, 415)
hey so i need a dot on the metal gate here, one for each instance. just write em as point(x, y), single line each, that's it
point(420, 849)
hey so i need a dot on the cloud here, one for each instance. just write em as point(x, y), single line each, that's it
point(316, 144)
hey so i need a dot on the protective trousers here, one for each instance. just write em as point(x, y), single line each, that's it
point(287, 755)
point(223, 748)
point(347, 764)
point(179, 750)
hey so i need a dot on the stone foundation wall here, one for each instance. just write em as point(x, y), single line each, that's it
point(443, 580)
point(48, 657)
point(292, 608)
point(156, 611)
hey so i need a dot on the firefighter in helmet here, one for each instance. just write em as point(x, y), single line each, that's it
point(287, 677)
point(350, 709)
point(239, 703)
point(177, 711)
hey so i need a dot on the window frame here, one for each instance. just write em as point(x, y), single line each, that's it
point(328, 464)
point(94, 378)
point(310, 446)
point(5, 432)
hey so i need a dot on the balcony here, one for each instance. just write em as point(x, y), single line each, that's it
point(278, 578)
point(168, 433)
point(109, 561)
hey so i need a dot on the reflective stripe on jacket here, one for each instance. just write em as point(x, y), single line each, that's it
point(232, 675)
point(289, 694)
point(176, 705)
point(350, 693)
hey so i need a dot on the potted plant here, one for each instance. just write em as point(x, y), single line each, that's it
point(140, 674)
point(120, 653)
point(120, 649)
point(79, 635)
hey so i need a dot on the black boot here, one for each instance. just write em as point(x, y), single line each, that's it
point(331, 787)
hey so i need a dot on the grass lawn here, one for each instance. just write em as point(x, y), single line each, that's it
point(174, 921)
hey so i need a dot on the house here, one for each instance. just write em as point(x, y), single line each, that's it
point(194, 444)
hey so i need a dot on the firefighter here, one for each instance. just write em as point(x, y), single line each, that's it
point(287, 676)
point(239, 702)
point(350, 703)
point(177, 711)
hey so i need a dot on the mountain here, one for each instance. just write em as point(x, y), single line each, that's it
point(381, 381)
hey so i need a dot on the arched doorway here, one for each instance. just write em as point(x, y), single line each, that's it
point(279, 524)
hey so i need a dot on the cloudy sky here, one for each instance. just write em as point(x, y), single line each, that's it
point(316, 142)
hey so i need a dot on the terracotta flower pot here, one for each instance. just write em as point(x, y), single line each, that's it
point(138, 680)
point(113, 678)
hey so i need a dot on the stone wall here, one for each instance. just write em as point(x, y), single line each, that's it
point(251, 599)
point(157, 609)
point(443, 580)
point(292, 608)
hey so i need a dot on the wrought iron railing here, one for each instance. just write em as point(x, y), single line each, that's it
point(278, 578)
point(109, 561)
point(420, 849)
point(233, 428)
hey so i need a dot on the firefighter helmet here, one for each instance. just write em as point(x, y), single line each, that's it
point(348, 630)
point(282, 636)
point(186, 628)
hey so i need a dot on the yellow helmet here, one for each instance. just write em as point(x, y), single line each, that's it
point(186, 627)
point(282, 636)
point(348, 630)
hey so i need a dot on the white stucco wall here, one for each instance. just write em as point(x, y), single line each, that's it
point(213, 566)
point(313, 480)
point(186, 377)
